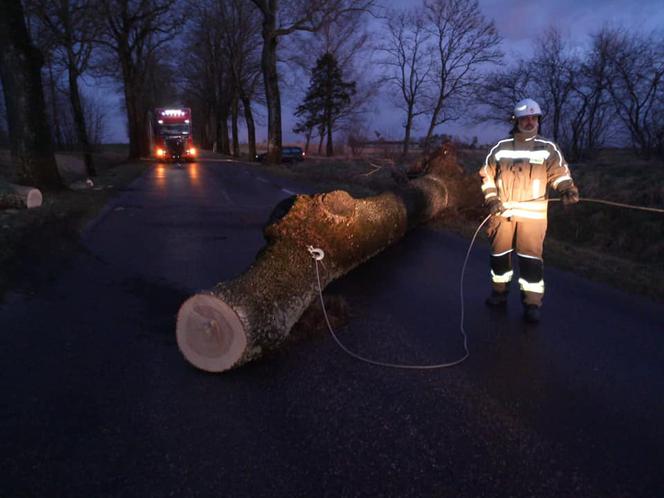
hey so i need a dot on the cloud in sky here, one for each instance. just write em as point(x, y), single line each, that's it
point(520, 22)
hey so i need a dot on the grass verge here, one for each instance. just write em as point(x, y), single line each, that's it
point(54, 228)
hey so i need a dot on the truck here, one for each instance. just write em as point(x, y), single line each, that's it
point(169, 132)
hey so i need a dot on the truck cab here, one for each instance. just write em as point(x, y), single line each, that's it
point(169, 131)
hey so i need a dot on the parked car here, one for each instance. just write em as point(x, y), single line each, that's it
point(288, 154)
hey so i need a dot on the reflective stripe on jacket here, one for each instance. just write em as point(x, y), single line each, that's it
point(518, 171)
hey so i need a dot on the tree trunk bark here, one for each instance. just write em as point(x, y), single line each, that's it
point(556, 122)
point(236, 139)
point(79, 120)
point(251, 127)
point(20, 69)
point(320, 142)
point(307, 137)
point(58, 135)
point(433, 123)
point(223, 143)
point(409, 125)
point(136, 111)
point(271, 79)
point(209, 130)
point(238, 320)
point(132, 121)
point(330, 148)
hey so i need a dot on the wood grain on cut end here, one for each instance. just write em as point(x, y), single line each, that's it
point(209, 333)
point(33, 198)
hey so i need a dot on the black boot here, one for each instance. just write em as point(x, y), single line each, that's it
point(531, 313)
point(497, 299)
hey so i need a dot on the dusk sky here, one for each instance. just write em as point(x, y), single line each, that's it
point(519, 22)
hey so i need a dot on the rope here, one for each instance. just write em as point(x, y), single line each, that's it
point(618, 204)
point(318, 254)
point(602, 201)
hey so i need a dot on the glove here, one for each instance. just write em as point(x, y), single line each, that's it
point(495, 205)
point(569, 194)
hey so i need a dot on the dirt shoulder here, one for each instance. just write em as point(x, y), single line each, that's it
point(53, 230)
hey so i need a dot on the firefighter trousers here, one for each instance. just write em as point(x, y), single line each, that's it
point(527, 238)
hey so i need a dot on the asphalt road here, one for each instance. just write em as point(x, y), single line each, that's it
point(98, 402)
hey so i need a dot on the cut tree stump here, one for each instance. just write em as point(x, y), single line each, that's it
point(238, 320)
point(18, 196)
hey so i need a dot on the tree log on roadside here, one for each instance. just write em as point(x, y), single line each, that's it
point(17, 196)
point(240, 319)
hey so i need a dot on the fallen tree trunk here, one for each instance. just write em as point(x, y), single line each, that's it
point(240, 319)
point(17, 196)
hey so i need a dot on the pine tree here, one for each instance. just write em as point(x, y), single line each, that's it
point(328, 97)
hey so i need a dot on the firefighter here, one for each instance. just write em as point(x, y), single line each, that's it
point(515, 177)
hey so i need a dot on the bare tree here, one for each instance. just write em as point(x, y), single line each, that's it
point(70, 26)
point(133, 31)
point(95, 117)
point(502, 89)
point(357, 136)
point(241, 42)
point(224, 40)
point(408, 62)
point(465, 43)
point(622, 74)
point(589, 121)
point(636, 86)
point(208, 80)
point(20, 66)
point(221, 21)
point(571, 89)
point(659, 119)
point(555, 77)
point(249, 85)
point(52, 99)
point(346, 37)
point(281, 19)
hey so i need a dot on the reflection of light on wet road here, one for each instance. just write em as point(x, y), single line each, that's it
point(160, 175)
point(168, 178)
point(193, 173)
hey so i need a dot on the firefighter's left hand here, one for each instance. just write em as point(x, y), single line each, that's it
point(569, 194)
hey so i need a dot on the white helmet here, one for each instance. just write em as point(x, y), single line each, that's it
point(527, 107)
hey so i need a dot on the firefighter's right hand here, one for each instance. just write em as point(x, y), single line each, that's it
point(569, 194)
point(495, 206)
